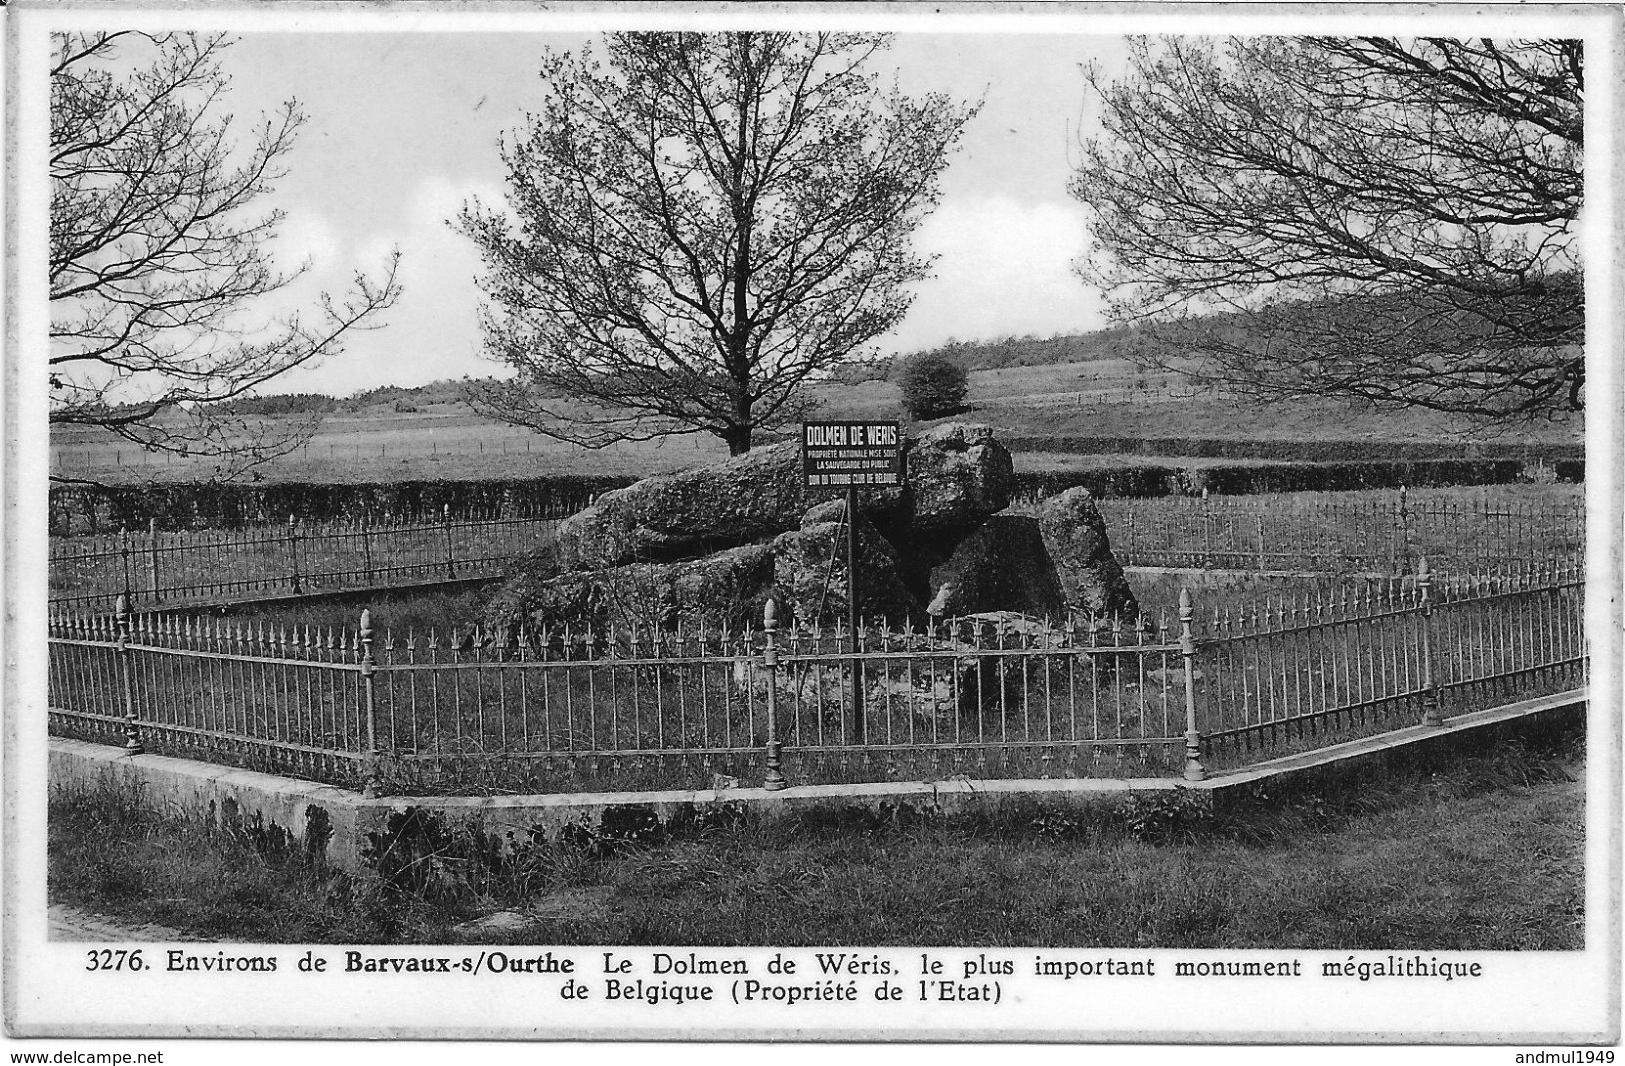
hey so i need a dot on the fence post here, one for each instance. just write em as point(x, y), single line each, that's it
point(773, 780)
point(369, 787)
point(1401, 539)
point(152, 558)
point(445, 513)
point(852, 612)
point(366, 542)
point(1194, 771)
point(124, 555)
point(1430, 688)
point(293, 554)
point(1258, 521)
point(1207, 532)
point(121, 621)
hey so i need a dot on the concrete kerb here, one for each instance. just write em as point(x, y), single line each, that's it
point(336, 823)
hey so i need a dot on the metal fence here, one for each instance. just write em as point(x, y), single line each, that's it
point(1403, 651)
point(158, 568)
point(989, 696)
point(167, 569)
point(1281, 533)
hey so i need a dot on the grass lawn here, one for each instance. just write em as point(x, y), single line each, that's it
point(1485, 854)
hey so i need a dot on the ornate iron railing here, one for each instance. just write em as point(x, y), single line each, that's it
point(987, 696)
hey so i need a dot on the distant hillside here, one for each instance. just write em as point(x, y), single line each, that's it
point(300, 403)
point(1036, 351)
point(1090, 347)
point(972, 355)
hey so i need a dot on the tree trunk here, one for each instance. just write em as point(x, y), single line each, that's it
point(737, 438)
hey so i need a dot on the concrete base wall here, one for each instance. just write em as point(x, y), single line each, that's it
point(341, 827)
point(322, 820)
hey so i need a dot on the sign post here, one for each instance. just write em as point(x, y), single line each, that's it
point(850, 455)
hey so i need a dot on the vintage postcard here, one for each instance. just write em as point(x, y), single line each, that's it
point(1042, 523)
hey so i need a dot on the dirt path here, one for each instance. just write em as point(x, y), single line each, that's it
point(71, 923)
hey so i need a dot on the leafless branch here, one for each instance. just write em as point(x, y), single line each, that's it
point(1391, 221)
point(696, 229)
point(159, 272)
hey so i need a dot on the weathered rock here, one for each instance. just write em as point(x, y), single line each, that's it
point(928, 696)
point(1076, 537)
point(732, 585)
point(729, 586)
point(828, 511)
point(1009, 629)
point(526, 576)
point(1001, 566)
point(957, 475)
point(811, 575)
point(747, 498)
point(711, 541)
point(500, 922)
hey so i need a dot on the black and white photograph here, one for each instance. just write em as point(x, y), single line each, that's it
point(936, 523)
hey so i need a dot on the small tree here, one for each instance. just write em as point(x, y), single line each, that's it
point(159, 269)
point(696, 228)
point(932, 386)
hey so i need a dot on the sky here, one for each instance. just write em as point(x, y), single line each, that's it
point(403, 128)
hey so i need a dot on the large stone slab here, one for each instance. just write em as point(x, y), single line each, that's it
point(1002, 565)
point(743, 499)
point(1075, 535)
point(956, 475)
point(727, 586)
point(812, 578)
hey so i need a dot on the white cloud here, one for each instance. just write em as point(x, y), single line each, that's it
point(1004, 268)
point(306, 235)
point(438, 198)
point(432, 332)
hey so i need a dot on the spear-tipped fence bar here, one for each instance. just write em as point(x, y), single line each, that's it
point(984, 696)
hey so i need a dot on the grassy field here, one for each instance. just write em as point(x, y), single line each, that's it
point(442, 441)
point(1483, 854)
point(1096, 399)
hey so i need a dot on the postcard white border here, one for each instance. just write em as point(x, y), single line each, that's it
point(1539, 998)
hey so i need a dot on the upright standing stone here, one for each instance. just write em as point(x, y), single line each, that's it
point(1001, 566)
point(1075, 534)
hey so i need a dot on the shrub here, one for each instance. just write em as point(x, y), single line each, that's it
point(932, 386)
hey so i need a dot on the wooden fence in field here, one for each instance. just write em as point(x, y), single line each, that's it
point(989, 696)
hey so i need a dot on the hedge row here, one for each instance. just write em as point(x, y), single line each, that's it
point(208, 505)
point(1246, 479)
point(204, 505)
point(1323, 451)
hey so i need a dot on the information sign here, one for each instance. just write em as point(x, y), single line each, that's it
point(841, 455)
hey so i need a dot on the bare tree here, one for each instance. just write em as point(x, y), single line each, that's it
point(696, 230)
point(160, 272)
point(1391, 221)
